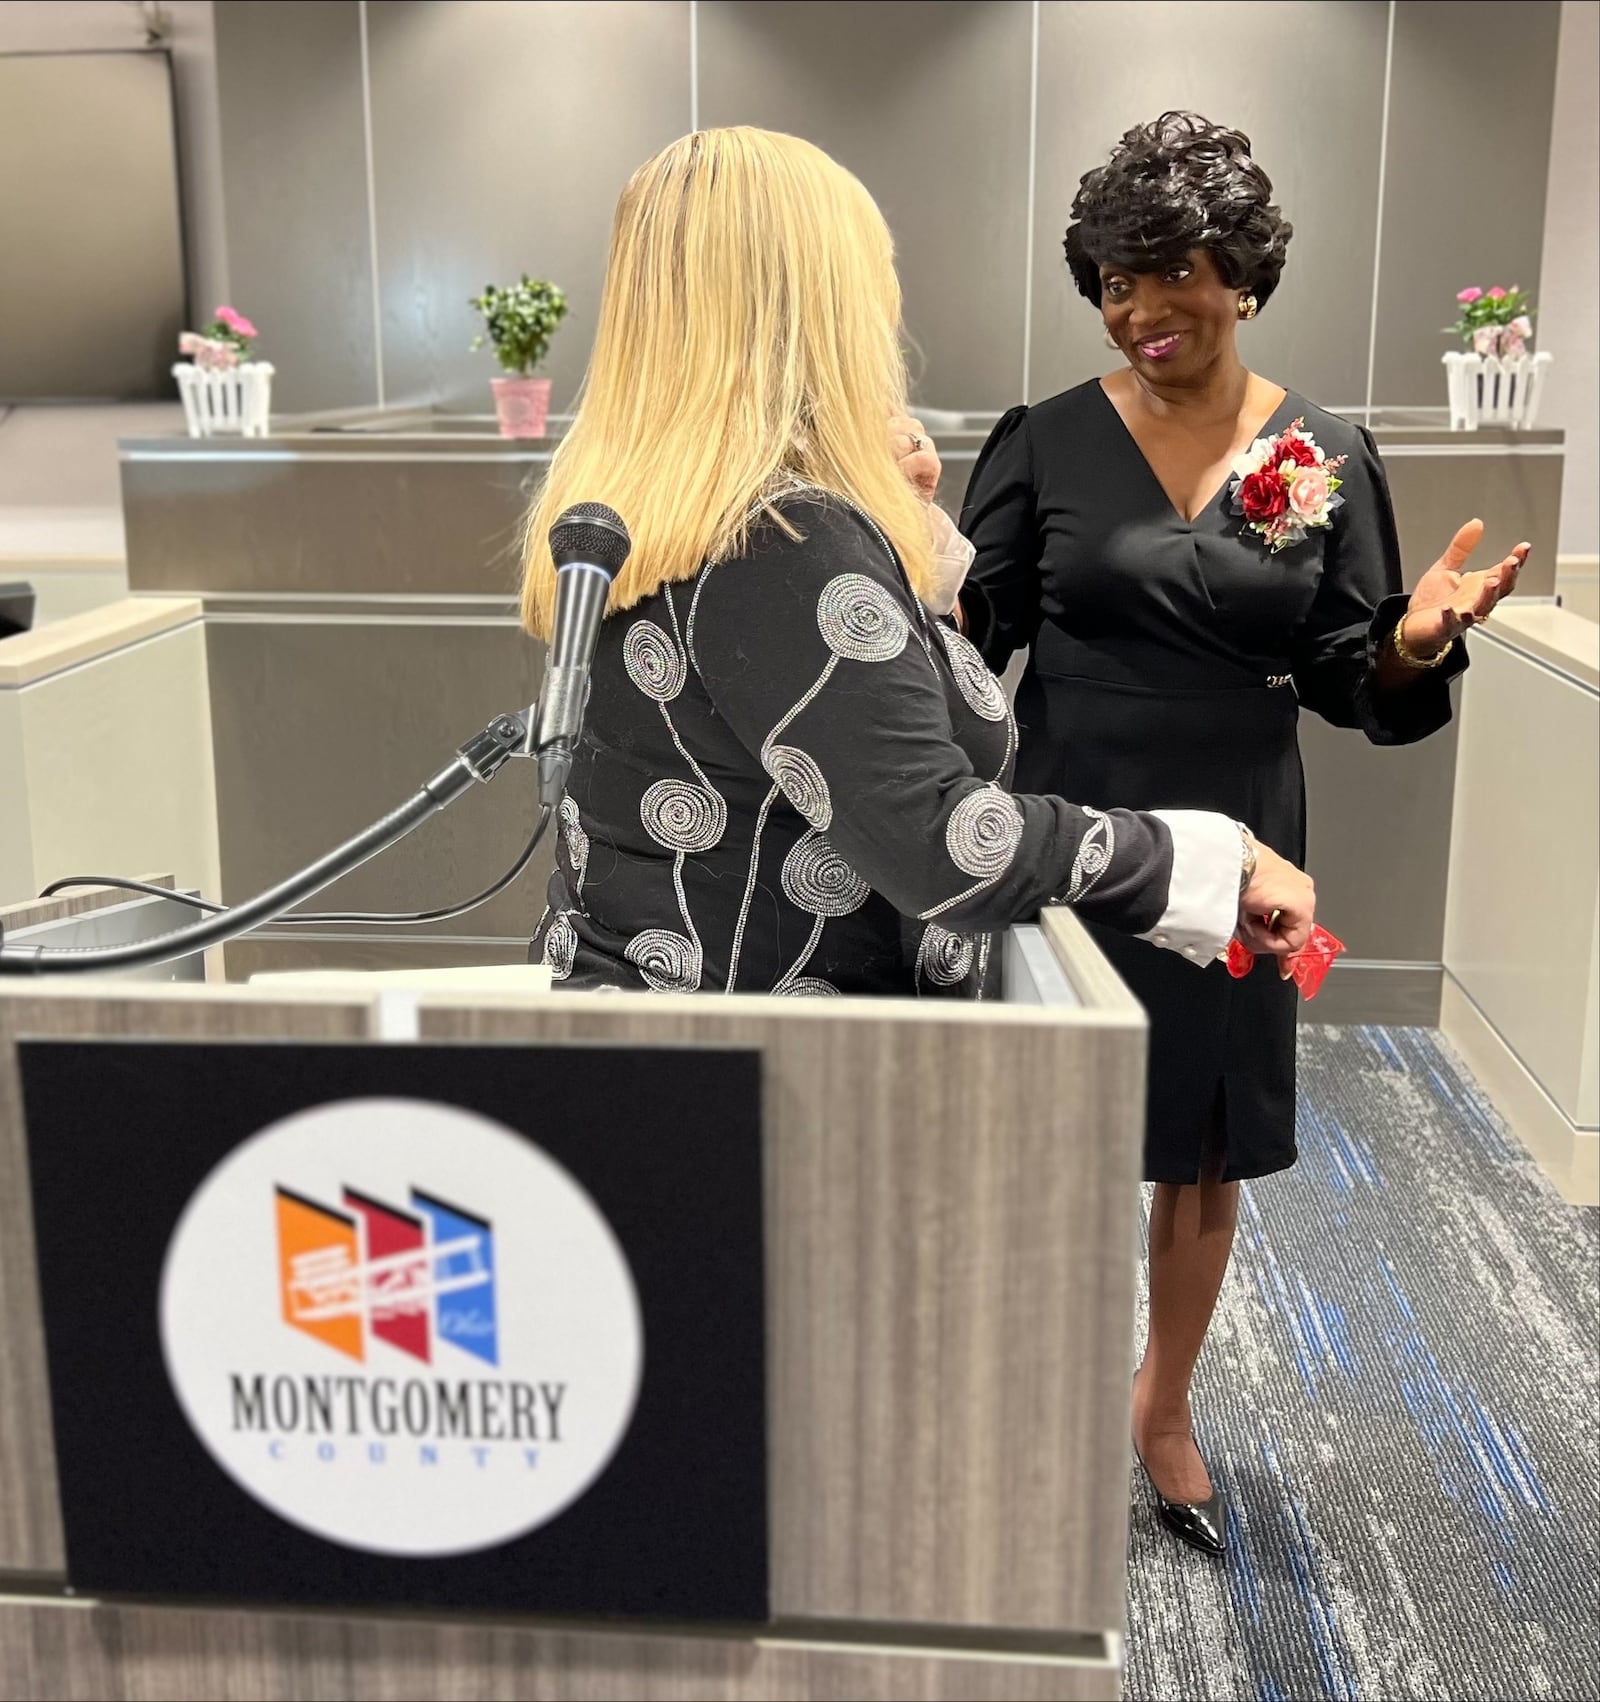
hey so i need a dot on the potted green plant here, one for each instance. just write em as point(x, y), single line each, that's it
point(519, 323)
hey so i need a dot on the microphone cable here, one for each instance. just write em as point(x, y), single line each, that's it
point(323, 918)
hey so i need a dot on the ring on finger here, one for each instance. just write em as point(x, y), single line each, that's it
point(916, 442)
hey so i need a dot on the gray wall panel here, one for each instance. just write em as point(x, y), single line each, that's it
point(502, 131)
point(928, 105)
point(1516, 495)
point(502, 134)
point(324, 525)
point(1378, 839)
point(1105, 68)
point(1469, 147)
point(1402, 995)
point(294, 178)
point(319, 729)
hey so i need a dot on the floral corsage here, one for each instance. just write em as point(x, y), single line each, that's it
point(1284, 486)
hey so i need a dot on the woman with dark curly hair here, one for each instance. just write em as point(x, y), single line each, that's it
point(1191, 553)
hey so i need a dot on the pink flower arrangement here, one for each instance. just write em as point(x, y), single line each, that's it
point(1285, 487)
point(1493, 322)
point(223, 344)
point(206, 352)
point(236, 321)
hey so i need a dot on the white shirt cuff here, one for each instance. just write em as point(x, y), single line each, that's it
point(1202, 911)
point(952, 556)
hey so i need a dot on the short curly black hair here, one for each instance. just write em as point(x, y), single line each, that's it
point(1172, 186)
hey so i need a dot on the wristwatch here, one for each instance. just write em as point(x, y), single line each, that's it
point(1247, 869)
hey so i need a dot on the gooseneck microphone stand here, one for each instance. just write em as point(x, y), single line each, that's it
point(479, 759)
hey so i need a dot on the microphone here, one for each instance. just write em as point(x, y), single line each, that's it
point(589, 543)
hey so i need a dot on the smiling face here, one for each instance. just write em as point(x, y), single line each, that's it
point(1174, 324)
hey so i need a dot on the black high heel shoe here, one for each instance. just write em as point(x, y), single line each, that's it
point(1201, 1524)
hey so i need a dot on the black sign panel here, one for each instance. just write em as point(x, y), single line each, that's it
point(461, 1326)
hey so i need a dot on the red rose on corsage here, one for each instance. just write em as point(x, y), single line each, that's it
point(1263, 496)
point(1297, 449)
point(1285, 487)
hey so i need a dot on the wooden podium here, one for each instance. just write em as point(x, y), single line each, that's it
point(950, 1208)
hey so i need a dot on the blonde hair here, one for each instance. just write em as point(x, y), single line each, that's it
point(749, 338)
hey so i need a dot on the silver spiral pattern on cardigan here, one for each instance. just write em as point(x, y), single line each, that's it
point(800, 781)
point(944, 958)
point(668, 962)
point(983, 833)
point(654, 662)
point(860, 621)
point(819, 881)
point(807, 987)
point(1095, 851)
point(561, 946)
point(982, 691)
point(575, 839)
point(683, 817)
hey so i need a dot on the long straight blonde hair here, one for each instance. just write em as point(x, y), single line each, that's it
point(749, 337)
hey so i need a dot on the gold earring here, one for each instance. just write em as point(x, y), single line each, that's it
point(1248, 307)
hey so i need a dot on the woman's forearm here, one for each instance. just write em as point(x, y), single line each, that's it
point(1398, 667)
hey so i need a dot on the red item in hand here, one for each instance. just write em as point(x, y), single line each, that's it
point(1308, 967)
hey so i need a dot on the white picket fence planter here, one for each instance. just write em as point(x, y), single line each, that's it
point(232, 402)
point(1491, 390)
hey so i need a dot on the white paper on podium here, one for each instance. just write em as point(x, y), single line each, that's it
point(480, 978)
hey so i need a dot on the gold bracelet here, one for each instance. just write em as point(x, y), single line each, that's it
point(1409, 657)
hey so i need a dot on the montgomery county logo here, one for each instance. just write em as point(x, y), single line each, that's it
point(402, 1326)
point(375, 1271)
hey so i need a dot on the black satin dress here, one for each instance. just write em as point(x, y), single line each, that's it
point(1169, 662)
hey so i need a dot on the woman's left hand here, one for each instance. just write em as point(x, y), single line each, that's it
point(1447, 601)
point(918, 458)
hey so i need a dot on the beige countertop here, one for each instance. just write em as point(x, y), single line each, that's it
point(33, 656)
point(1565, 641)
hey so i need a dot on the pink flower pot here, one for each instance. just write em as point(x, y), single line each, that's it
point(523, 405)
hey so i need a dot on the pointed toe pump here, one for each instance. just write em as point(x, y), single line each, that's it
point(1201, 1524)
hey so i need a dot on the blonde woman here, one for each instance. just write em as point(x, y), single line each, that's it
point(793, 776)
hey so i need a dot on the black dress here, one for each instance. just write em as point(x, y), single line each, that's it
point(793, 781)
point(1169, 661)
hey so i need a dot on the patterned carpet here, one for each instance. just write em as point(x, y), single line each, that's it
point(1399, 1396)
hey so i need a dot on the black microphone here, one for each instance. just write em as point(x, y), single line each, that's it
point(589, 543)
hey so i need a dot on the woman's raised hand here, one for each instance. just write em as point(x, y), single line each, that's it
point(1448, 601)
point(918, 458)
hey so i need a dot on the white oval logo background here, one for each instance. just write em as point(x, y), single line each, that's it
point(566, 1318)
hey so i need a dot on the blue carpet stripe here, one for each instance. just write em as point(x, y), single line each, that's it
point(1400, 1398)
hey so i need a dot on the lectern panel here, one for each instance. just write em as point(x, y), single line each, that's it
point(427, 1325)
point(950, 1198)
point(30, 1514)
point(82, 1649)
point(951, 1236)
